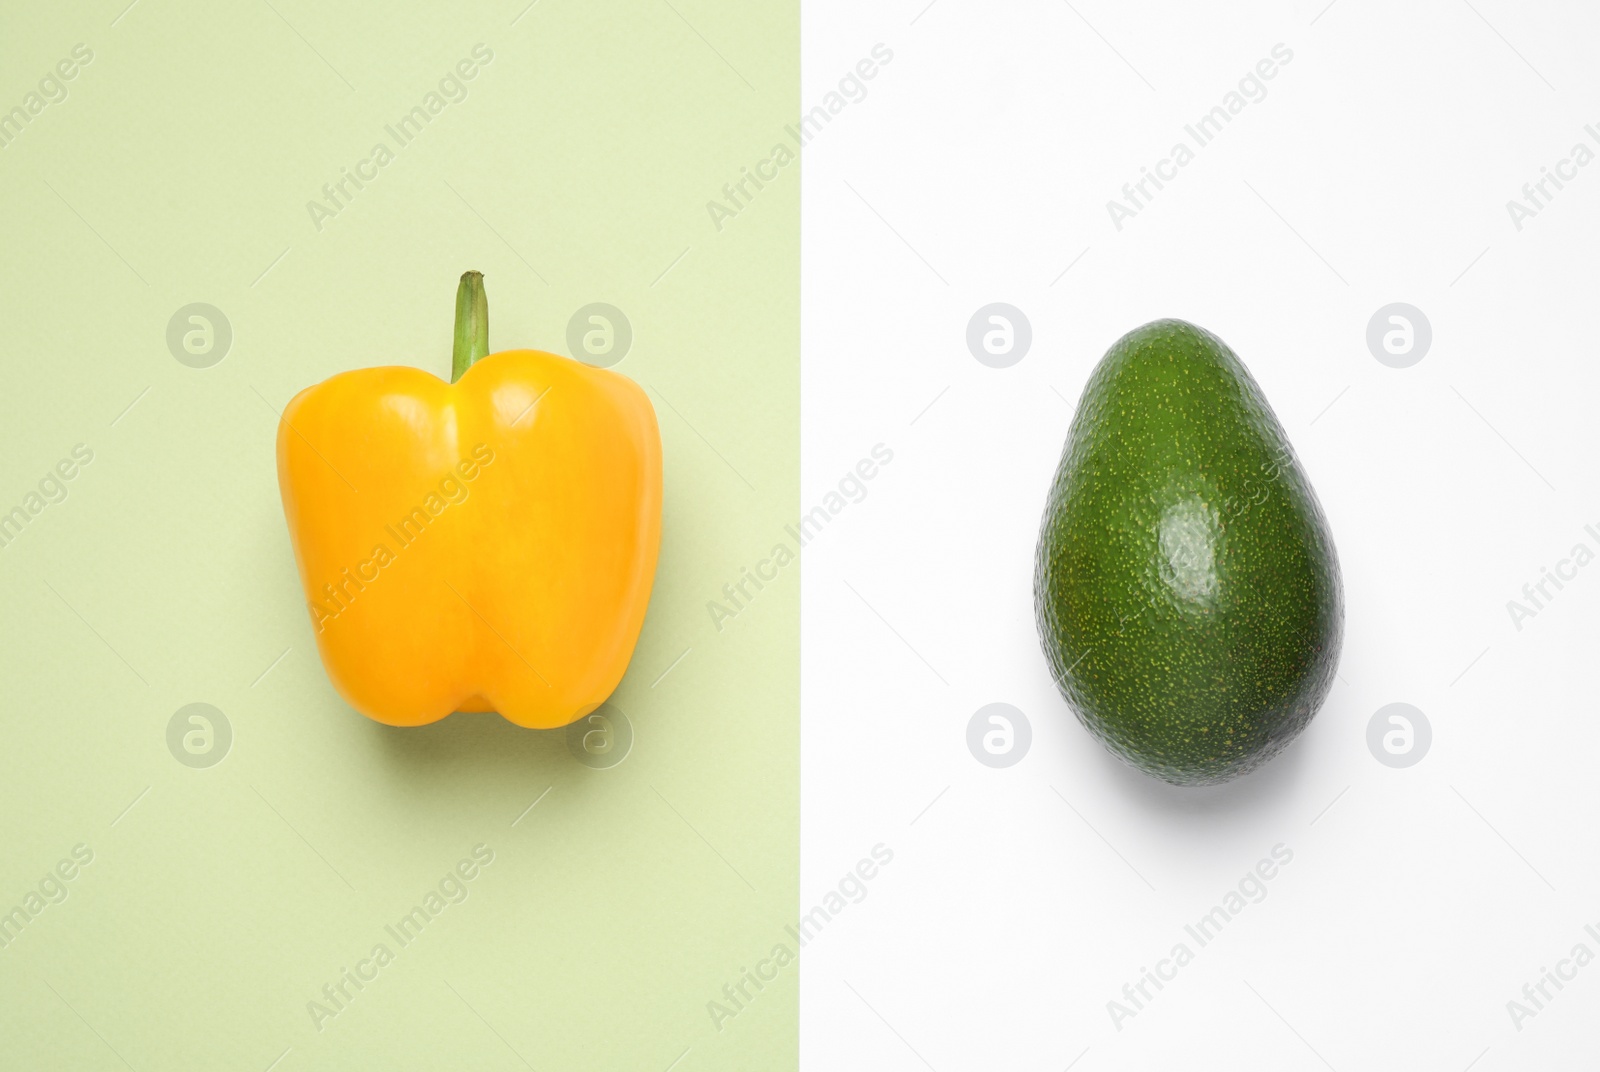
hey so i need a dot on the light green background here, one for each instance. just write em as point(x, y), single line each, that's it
point(217, 905)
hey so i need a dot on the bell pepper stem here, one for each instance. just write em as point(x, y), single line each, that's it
point(472, 325)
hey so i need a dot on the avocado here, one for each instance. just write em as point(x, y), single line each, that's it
point(1186, 585)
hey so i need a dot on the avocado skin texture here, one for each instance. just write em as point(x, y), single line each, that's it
point(1186, 585)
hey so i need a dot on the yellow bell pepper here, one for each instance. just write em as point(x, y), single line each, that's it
point(483, 545)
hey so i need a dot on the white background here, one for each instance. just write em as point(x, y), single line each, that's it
point(1377, 170)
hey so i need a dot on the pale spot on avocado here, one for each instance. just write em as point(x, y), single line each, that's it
point(1188, 540)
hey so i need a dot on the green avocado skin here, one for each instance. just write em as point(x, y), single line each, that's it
point(1186, 585)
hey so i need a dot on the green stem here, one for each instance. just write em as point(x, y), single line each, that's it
point(472, 324)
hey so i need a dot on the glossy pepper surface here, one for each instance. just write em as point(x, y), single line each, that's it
point(482, 545)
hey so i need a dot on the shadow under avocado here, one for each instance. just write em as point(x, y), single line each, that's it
point(1264, 790)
